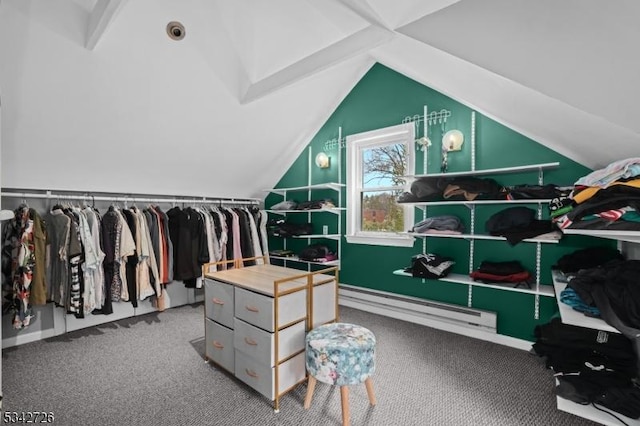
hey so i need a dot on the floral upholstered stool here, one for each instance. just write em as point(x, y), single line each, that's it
point(340, 354)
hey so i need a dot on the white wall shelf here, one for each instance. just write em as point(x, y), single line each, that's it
point(501, 170)
point(619, 234)
point(334, 210)
point(572, 317)
point(544, 290)
point(330, 185)
point(297, 259)
point(319, 236)
point(478, 237)
point(422, 204)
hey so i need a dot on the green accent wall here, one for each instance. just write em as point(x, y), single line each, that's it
point(384, 97)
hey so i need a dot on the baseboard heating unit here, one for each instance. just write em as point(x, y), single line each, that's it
point(457, 319)
point(405, 306)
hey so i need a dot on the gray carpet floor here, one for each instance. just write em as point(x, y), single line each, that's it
point(150, 370)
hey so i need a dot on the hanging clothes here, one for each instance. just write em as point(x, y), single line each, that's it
point(246, 244)
point(94, 260)
point(118, 244)
point(73, 301)
point(38, 284)
point(166, 241)
point(187, 231)
point(126, 247)
point(129, 291)
point(255, 237)
point(147, 268)
point(19, 260)
point(264, 240)
point(220, 228)
point(58, 230)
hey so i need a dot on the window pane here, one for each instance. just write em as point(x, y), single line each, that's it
point(381, 213)
point(383, 166)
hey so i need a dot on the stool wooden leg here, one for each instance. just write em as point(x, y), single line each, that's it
point(344, 397)
point(311, 385)
point(369, 384)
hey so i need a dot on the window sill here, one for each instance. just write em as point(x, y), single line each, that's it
point(391, 240)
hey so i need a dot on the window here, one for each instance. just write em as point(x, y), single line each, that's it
point(376, 163)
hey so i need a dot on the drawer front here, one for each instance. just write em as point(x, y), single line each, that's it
point(261, 377)
point(219, 302)
point(219, 341)
point(260, 344)
point(258, 309)
point(324, 303)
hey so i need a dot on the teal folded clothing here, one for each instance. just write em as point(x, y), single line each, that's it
point(568, 296)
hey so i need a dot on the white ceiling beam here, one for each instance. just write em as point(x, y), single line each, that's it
point(99, 20)
point(365, 11)
point(348, 47)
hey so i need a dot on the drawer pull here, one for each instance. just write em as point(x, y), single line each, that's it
point(252, 308)
point(251, 342)
point(251, 373)
point(217, 344)
point(217, 301)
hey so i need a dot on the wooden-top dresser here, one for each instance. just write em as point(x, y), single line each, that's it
point(256, 319)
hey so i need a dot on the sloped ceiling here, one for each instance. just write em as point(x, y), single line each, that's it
point(89, 87)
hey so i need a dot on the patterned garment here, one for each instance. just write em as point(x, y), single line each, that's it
point(23, 262)
point(340, 353)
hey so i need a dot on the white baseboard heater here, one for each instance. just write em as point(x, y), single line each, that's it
point(454, 318)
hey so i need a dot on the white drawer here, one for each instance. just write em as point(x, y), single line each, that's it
point(324, 303)
point(219, 345)
point(258, 309)
point(219, 302)
point(260, 344)
point(261, 377)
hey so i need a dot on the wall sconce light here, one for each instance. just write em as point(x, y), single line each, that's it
point(452, 141)
point(322, 160)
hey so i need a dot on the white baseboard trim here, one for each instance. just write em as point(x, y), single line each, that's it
point(417, 318)
point(25, 338)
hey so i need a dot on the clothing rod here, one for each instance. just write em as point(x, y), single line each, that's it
point(127, 198)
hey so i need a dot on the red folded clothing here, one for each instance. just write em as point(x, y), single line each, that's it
point(519, 277)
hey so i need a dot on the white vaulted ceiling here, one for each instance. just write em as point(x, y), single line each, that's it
point(98, 98)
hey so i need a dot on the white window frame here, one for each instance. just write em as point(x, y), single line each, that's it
point(402, 133)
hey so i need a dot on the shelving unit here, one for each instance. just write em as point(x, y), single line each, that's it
point(333, 210)
point(338, 211)
point(538, 288)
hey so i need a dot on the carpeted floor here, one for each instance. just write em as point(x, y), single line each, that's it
point(150, 370)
